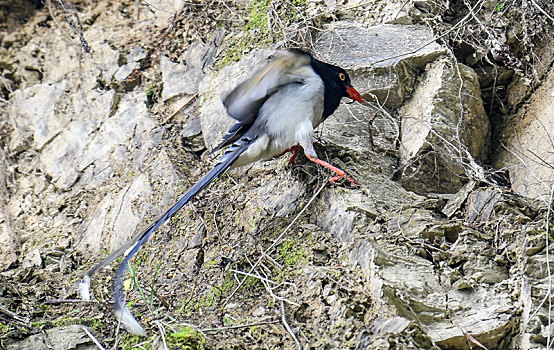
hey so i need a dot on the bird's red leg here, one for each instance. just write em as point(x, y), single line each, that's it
point(340, 173)
point(295, 149)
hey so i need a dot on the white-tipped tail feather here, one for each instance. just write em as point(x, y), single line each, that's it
point(128, 321)
point(84, 288)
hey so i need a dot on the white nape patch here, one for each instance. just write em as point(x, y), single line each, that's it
point(84, 288)
point(129, 321)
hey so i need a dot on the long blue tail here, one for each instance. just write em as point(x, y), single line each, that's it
point(122, 312)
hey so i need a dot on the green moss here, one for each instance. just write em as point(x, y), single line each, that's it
point(190, 306)
point(149, 90)
point(186, 339)
point(94, 323)
point(257, 18)
point(129, 342)
point(260, 31)
point(292, 252)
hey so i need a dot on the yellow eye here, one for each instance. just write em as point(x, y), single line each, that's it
point(342, 76)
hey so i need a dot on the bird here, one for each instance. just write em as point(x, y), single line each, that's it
point(276, 111)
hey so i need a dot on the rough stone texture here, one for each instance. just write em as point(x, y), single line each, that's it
point(523, 85)
point(182, 79)
point(444, 129)
point(8, 239)
point(119, 214)
point(61, 338)
point(438, 288)
point(528, 148)
point(383, 60)
point(377, 267)
point(366, 53)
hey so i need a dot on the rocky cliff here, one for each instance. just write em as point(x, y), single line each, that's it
point(108, 113)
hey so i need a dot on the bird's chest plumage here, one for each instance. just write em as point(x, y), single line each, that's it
point(294, 107)
point(287, 118)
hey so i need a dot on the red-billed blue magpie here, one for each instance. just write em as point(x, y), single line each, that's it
point(276, 110)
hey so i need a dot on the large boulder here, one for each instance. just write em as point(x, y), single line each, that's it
point(445, 129)
point(527, 147)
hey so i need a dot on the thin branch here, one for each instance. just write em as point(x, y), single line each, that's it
point(543, 11)
point(285, 323)
point(206, 330)
point(95, 341)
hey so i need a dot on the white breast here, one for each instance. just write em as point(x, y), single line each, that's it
point(287, 110)
point(288, 118)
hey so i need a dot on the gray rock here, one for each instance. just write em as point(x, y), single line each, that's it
point(125, 70)
point(488, 320)
point(192, 127)
point(444, 132)
point(34, 118)
point(529, 151)
point(481, 203)
point(382, 63)
point(456, 202)
point(8, 242)
point(383, 60)
point(334, 218)
point(137, 54)
point(32, 259)
point(181, 79)
point(61, 158)
point(118, 214)
point(411, 287)
point(390, 332)
point(60, 338)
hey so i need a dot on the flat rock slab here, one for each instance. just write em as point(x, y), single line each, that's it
point(444, 131)
point(383, 60)
point(62, 338)
point(529, 150)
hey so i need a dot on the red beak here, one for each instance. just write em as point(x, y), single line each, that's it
point(353, 94)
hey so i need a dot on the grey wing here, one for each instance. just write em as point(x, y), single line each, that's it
point(244, 102)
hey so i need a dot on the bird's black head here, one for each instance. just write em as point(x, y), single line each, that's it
point(337, 85)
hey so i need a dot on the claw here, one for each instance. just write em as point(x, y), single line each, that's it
point(340, 173)
point(295, 149)
point(353, 183)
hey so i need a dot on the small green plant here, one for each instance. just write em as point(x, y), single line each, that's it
point(292, 252)
point(257, 18)
point(186, 339)
point(499, 7)
point(131, 342)
point(149, 90)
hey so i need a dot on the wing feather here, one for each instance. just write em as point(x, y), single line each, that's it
point(244, 102)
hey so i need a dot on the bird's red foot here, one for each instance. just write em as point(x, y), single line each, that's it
point(295, 149)
point(341, 174)
point(339, 178)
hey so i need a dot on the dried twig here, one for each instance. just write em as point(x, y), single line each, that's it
point(69, 301)
point(219, 329)
point(187, 102)
point(285, 323)
point(93, 338)
point(13, 315)
point(542, 11)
